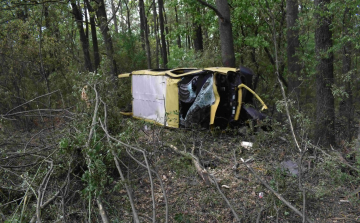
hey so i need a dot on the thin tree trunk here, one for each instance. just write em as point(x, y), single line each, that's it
point(114, 16)
point(147, 44)
point(156, 35)
point(94, 36)
point(86, 22)
point(128, 17)
point(84, 41)
point(162, 33)
point(145, 32)
point(142, 23)
point(101, 15)
point(347, 108)
point(177, 25)
point(198, 40)
point(167, 33)
point(325, 112)
point(292, 45)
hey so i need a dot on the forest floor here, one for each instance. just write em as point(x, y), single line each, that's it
point(235, 189)
point(325, 180)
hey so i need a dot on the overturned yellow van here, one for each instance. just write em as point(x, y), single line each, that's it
point(188, 97)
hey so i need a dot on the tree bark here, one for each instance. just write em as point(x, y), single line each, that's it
point(293, 43)
point(156, 35)
point(114, 16)
point(102, 19)
point(222, 10)
point(142, 23)
point(177, 25)
point(346, 108)
point(226, 37)
point(325, 112)
point(198, 40)
point(162, 33)
point(145, 32)
point(128, 17)
point(167, 33)
point(93, 35)
point(84, 41)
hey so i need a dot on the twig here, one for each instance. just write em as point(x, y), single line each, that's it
point(259, 215)
point(128, 190)
point(42, 206)
point(41, 191)
point(31, 101)
point(226, 200)
point(274, 192)
point(277, 212)
point(102, 210)
point(160, 180)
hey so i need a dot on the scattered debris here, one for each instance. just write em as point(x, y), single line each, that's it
point(225, 186)
point(246, 145)
point(261, 194)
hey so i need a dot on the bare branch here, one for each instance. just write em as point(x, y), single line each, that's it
point(41, 191)
point(274, 192)
point(32, 100)
point(214, 9)
point(226, 200)
point(128, 190)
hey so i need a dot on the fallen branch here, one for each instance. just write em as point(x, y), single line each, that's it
point(226, 200)
point(102, 210)
point(161, 184)
point(201, 171)
point(43, 205)
point(206, 177)
point(127, 188)
point(274, 192)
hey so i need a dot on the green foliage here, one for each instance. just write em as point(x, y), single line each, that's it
point(189, 58)
point(182, 218)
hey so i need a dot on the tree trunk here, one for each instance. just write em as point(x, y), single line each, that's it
point(93, 35)
point(293, 43)
point(147, 44)
point(114, 16)
point(198, 40)
point(222, 10)
point(142, 23)
point(128, 17)
point(95, 42)
point(101, 15)
point(162, 33)
point(346, 108)
point(226, 37)
point(145, 32)
point(84, 41)
point(177, 25)
point(325, 113)
point(167, 33)
point(86, 22)
point(156, 35)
